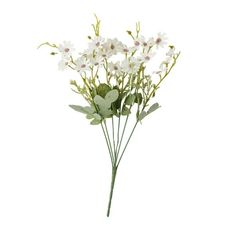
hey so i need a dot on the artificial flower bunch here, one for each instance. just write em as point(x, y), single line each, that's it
point(115, 82)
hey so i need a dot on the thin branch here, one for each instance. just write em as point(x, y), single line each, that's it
point(126, 120)
point(113, 138)
point(118, 135)
point(161, 79)
point(48, 44)
point(127, 143)
point(110, 152)
point(109, 140)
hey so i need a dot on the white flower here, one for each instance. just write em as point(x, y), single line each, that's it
point(114, 67)
point(62, 64)
point(96, 43)
point(156, 72)
point(146, 44)
point(165, 64)
point(169, 60)
point(150, 42)
point(126, 50)
point(137, 43)
point(102, 52)
point(81, 65)
point(85, 53)
point(161, 40)
point(171, 52)
point(66, 49)
point(130, 66)
point(112, 46)
point(96, 60)
point(146, 56)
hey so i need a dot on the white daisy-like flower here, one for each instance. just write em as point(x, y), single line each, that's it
point(66, 49)
point(161, 40)
point(62, 64)
point(156, 72)
point(81, 65)
point(171, 52)
point(165, 64)
point(86, 53)
point(137, 43)
point(115, 68)
point(112, 46)
point(127, 50)
point(146, 44)
point(130, 66)
point(149, 43)
point(96, 43)
point(96, 60)
point(102, 52)
point(146, 56)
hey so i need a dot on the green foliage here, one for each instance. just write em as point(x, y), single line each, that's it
point(96, 26)
point(130, 99)
point(94, 116)
point(152, 108)
point(138, 98)
point(125, 111)
point(84, 110)
point(90, 113)
point(122, 95)
point(104, 104)
point(95, 122)
point(142, 115)
point(112, 95)
point(103, 89)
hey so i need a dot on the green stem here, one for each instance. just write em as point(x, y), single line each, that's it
point(113, 137)
point(109, 140)
point(113, 178)
point(126, 120)
point(118, 136)
point(110, 151)
point(127, 143)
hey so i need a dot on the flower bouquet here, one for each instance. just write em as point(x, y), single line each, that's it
point(115, 81)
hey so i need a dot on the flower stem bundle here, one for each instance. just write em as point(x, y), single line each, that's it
point(116, 82)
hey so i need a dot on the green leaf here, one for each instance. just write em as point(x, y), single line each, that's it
point(106, 113)
point(130, 99)
point(153, 107)
point(101, 102)
point(90, 113)
point(94, 116)
point(142, 115)
point(125, 111)
point(85, 110)
point(104, 105)
point(95, 122)
point(114, 109)
point(89, 116)
point(93, 92)
point(97, 116)
point(78, 108)
point(103, 89)
point(89, 110)
point(112, 96)
point(138, 98)
point(117, 103)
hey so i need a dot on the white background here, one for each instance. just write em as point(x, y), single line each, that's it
point(178, 175)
